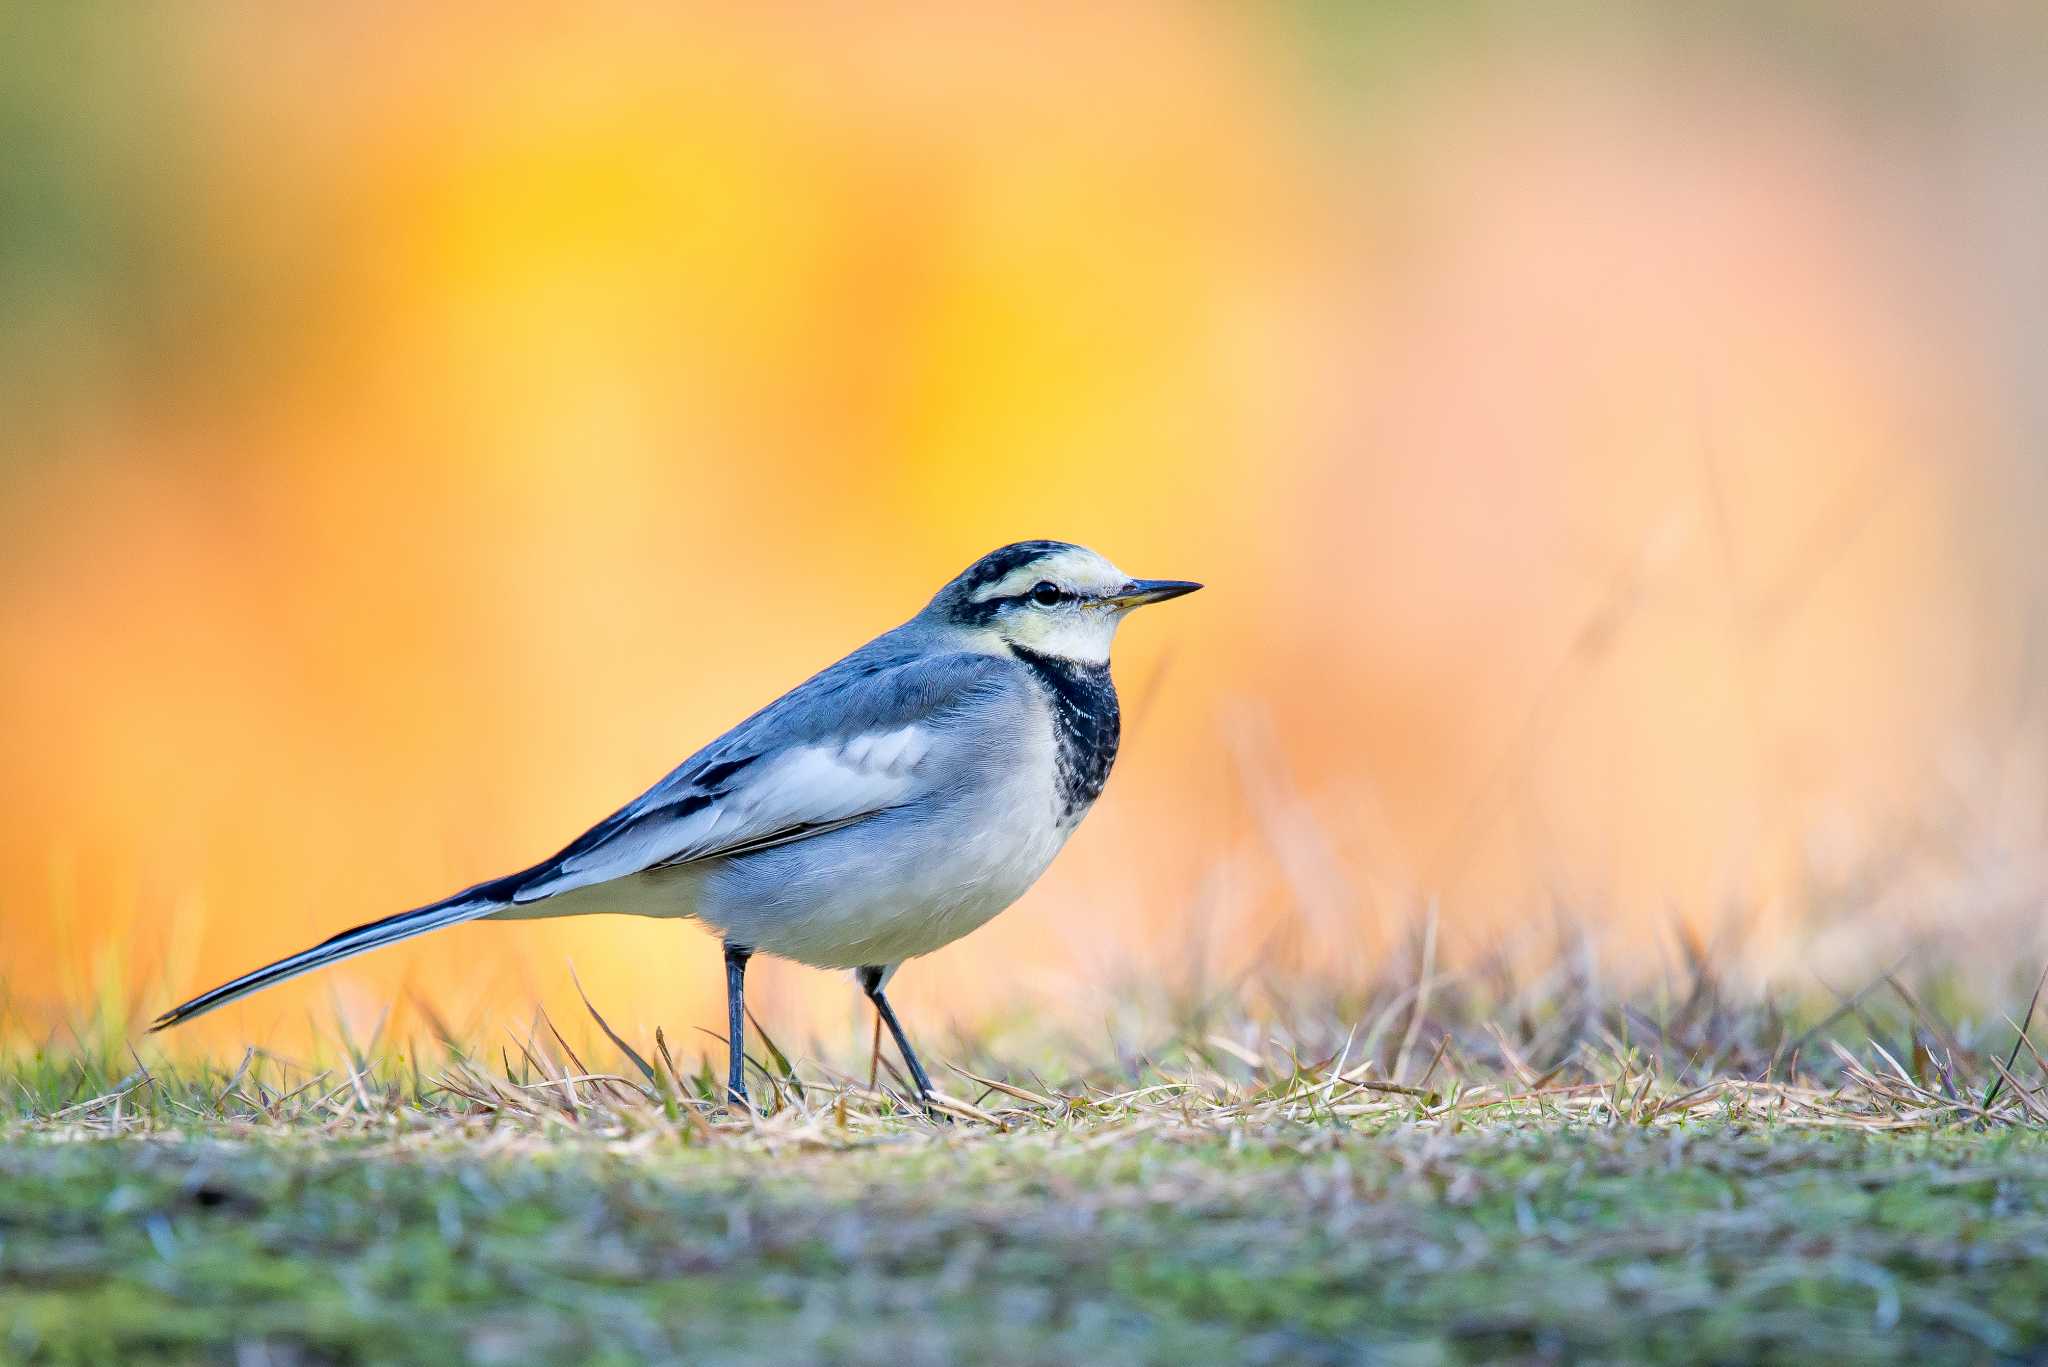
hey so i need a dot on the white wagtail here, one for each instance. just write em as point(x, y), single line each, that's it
point(884, 808)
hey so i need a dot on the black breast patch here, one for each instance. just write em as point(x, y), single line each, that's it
point(1086, 725)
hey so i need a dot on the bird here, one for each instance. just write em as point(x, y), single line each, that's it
point(879, 811)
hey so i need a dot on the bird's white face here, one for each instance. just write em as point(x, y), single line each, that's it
point(1065, 604)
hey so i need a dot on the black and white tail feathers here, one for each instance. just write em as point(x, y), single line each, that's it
point(466, 905)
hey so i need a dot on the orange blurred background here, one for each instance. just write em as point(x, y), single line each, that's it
point(1612, 441)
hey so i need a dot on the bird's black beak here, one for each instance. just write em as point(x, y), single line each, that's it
point(1139, 592)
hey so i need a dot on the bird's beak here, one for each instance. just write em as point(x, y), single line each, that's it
point(1139, 592)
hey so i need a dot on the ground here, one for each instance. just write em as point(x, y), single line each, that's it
point(1124, 1241)
point(1675, 1180)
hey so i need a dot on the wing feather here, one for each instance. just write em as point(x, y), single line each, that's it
point(850, 743)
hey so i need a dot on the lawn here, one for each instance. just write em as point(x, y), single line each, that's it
point(1224, 1201)
point(1323, 1243)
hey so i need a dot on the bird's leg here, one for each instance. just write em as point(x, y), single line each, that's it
point(736, 957)
point(871, 983)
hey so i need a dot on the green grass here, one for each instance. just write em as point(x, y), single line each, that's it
point(1284, 1243)
point(1425, 1176)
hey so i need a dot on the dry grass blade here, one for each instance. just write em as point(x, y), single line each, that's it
point(2026, 1021)
point(775, 1055)
point(646, 1069)
point(1425, 984)
point(1237, 1051)
point(953, 1105)
point(1009, 1089)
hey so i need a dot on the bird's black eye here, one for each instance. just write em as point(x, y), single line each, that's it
point(1046, 593)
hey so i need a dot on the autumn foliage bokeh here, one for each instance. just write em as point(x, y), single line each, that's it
point(1609, 441)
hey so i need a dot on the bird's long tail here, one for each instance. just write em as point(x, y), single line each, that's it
point(463, 906)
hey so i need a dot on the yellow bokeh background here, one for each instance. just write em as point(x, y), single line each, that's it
point(1608, 442)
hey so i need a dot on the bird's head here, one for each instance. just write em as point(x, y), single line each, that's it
point(1051, 598)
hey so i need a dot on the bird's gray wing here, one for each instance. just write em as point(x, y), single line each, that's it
point(850, 742)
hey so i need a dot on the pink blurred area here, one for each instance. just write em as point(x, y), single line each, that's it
point(1610, 445)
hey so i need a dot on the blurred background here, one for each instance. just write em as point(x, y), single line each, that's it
point(1613, 436)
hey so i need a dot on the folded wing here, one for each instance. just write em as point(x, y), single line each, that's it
point(852, 742)
point(799, 791)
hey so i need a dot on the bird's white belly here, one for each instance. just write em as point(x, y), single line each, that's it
point(903, 883)
point(948, 894)
point(879, 899)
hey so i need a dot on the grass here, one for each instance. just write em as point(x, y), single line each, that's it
point(1423, 1176)
point(1273, 1242)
